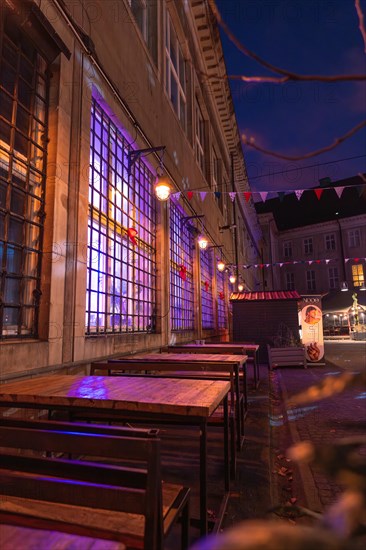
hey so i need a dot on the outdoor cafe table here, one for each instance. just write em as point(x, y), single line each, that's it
point(221, 347)
point(180, 361)
point(181, 401)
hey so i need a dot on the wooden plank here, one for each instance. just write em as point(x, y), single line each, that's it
point(159, 396)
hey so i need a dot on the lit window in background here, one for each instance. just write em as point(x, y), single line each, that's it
point(358, 275)
point(121, 263)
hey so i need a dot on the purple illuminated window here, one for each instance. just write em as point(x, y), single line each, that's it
point(121, 276)
point(221, 303)
point(206, 290)
point(181, 271)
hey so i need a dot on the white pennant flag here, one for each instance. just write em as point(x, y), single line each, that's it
point(347, 259)
point(339, 191)
point(176, 196)
point(327, 261)
point(298, 193)
point(263, 195)
point(281, 264)
point(203, 195)
point(310, 262)
point(232, 196)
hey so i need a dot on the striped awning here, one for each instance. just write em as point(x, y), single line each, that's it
point(270, 295)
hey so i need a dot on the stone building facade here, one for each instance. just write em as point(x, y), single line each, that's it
point(91, 263)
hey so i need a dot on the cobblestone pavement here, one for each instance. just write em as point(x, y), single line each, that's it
point(321, 422)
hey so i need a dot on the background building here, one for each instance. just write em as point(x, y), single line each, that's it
point(91, 263)
point(317, 246)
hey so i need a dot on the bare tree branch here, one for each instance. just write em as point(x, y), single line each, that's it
point(361, 24)
point(250, 142)
point(287, 75)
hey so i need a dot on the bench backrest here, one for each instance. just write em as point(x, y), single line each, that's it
point(134, 488)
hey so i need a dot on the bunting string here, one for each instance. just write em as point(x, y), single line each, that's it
point(294, 262)
point(263, 195)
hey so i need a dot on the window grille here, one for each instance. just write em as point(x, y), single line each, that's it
point(181, 271)
point(121, 263)
point(221, 303)
point(354, 238)
point(287, 249)
point(207, 303)
point(24, 85)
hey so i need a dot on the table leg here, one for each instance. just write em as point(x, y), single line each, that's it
point(203, 479)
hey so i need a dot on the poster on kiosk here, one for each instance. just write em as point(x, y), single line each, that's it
point(311, 322)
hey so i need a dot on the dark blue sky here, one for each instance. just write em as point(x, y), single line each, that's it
point(307, 37)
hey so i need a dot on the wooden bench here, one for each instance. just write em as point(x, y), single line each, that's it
point(286, 357)
point(111, 489)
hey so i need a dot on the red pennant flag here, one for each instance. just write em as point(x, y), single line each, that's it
point(131, 233)
point(318, 261)
point(207, 285)
point(247, 195)
point(356, 259)
point(189, 194)
point(183, 272)
point(318, 192)
point(221, 295)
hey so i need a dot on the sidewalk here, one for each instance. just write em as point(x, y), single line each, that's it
point(324, 421)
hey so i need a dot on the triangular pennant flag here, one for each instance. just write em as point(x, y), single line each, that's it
point(298, 193)
point(339, 191)
point(267, 265)
point(255, 265)
point(327, 261)
point(203, 195)
point(218, 194)
point(263, 195)
point(189, 194)
point(247, 195)
point(281, 195)
point(207, 285)
point(176, 196)
point(281, 264)
point(318, 261)
point(310, 262)
point(232, 196)
point(347, 260)
point(356, 260)
point(318, 192)
point(183, 272)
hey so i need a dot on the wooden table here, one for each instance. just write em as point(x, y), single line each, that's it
point(182, 401)
point(205, 362)
point(224, 347)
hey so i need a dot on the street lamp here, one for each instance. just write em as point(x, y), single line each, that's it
point(162, 186)
point(344, 284)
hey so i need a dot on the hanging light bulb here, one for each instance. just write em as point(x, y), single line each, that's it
point(202, 242)
point(240, 287)
point(162, 188)
point(232, 278)
point(221, 266)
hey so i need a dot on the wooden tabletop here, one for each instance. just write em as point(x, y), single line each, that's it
point(225, 347)
point(187, 357)
point(173, 396)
